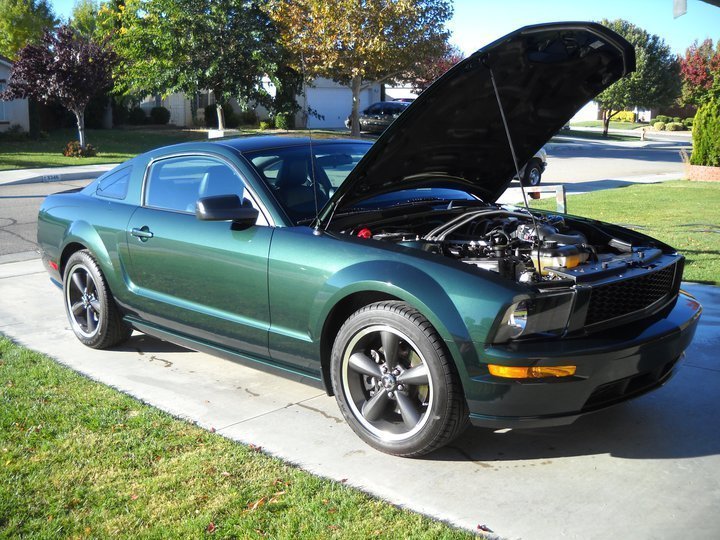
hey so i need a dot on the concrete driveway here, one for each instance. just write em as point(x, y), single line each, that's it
point(646, 469)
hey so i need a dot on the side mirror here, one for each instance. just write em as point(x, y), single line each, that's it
point(226, 208)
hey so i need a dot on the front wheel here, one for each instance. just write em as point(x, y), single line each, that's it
point(91, 310)
point(394, 383)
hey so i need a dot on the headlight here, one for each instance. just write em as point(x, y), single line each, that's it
point(546, 314)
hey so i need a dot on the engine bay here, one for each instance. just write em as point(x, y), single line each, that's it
point(524, 247)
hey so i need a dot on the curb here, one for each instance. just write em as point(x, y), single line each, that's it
point(27, 176)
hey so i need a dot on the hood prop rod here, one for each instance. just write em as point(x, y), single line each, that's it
point(515, 161)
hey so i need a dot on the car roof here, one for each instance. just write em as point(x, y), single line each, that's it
point(252, 144)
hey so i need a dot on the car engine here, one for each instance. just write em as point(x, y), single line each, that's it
point(517, 245)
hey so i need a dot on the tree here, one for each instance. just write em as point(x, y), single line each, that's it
point(356, 41)
point(425, 73)
point(65, 67)
point(700, 70)
point(22, 22)
point(187, 46)
point(654, 83)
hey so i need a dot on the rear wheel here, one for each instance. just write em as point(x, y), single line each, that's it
point(91, 310)
point(394, 382)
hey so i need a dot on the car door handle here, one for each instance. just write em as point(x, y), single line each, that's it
point(143, 233)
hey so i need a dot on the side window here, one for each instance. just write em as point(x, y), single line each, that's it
point(115, 185)
point(374, 109)
point(177, 183)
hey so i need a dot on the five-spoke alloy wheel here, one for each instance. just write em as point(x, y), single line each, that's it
point(91, 310)
point(394, 382)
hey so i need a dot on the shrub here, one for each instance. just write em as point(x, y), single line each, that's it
point(688, 122)
point(662, 118)
point(247, 118)
point(266, 124)
point(624, 116)
point(14, 133)
point(706, 135)
point(73, 149)
point(120, 114)
point(285, 121)
point(675, 126)
point(231, 119)
point(659, 126)
point(136, 117)
point(159, 115)
point(677, 119)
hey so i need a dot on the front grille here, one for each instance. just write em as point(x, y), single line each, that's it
point(620, 298)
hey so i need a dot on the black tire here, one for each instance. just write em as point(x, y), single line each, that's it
point(90, 307)
point(533, 173)
point(407, 403)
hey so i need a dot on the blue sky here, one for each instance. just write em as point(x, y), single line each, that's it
point(478, 22)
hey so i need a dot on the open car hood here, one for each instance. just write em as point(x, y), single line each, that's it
point(453, 135)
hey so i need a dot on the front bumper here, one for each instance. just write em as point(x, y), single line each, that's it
point(612, 367)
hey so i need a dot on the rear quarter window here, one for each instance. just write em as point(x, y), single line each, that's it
point(115, 185)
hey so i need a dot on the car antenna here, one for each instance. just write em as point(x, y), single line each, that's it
point(316, 228)
point(514, 158)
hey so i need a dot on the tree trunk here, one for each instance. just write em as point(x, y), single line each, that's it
point(220, 115)
point(355, 116)
point(80, 117)
point(607, 115)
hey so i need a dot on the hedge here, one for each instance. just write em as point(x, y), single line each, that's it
point(706, 135)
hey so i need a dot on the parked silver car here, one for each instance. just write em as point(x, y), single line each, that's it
point(531, 173)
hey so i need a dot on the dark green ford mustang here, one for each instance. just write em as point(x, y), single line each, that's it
point(385, 271)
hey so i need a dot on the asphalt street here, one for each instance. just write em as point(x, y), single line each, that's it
point(19, 205)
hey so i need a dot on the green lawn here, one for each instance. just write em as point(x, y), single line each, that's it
point(681, 213)
point(596, 135)
point(81, 460)
point(115, 145)
point(613, 124)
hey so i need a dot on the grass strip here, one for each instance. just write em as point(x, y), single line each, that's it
point(81, 460)
point(118, 145)
point(681, 213)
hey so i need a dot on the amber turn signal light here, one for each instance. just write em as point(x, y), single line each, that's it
point(535, 372)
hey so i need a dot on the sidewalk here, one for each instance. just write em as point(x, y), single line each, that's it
point(53, 174)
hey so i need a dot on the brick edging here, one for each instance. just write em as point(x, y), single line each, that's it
point(702, 173)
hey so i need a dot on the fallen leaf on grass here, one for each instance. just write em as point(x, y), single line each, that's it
point(257, 504)
point(276, 497)
point(134, 497)
point(255, 448)
point(210, 528)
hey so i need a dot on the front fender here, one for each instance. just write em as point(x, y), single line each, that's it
point(445, 298)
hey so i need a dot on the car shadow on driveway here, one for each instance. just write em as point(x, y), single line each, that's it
point(677, 421)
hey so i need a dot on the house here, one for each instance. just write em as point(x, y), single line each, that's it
point(325, 103)
point(13, 112)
